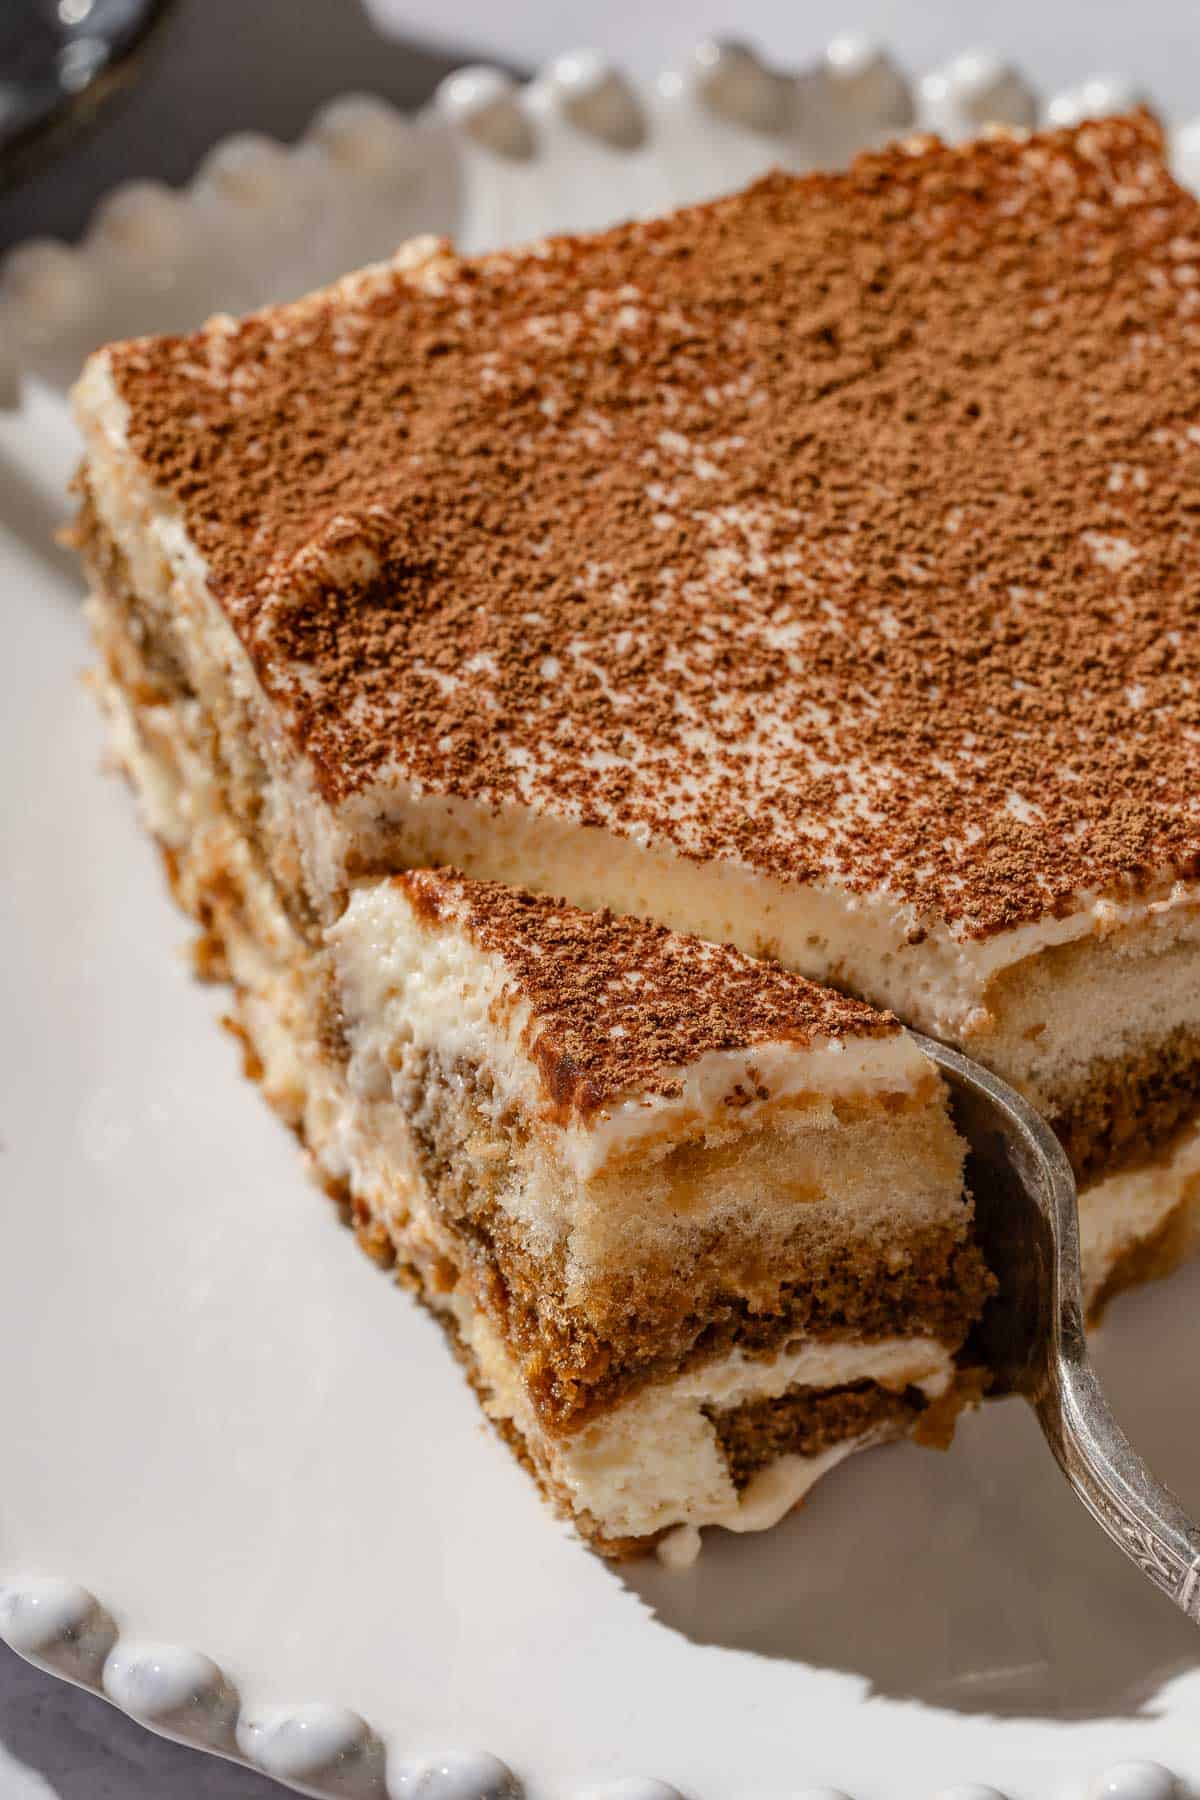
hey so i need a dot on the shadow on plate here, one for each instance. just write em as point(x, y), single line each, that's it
point(83, 1749)
point(973, 1582)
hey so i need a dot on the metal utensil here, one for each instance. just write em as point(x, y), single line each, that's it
point(1031, 1336)
point(60, 62)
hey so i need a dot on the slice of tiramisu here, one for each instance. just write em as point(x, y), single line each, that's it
point(812, 570)
point(697, 1225)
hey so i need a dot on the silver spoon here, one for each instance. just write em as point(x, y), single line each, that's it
point(1031, 1336)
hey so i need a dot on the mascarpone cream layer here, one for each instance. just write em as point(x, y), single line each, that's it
point(404, 980)
point(882, 948)
point(1129, 1208)
point(656, 1461)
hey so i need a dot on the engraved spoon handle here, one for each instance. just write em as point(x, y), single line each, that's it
point(1139, 1514)
point(1031, 1336)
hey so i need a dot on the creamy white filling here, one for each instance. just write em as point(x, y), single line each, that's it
point(161, 799)
point(938, 984)
point(861, 1067)
point(1128, 1208)
point(407, 981)
point(766, 1498)
point(655, 1460)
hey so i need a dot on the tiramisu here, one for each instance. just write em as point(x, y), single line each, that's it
point(811, 571)
point(697, 1225)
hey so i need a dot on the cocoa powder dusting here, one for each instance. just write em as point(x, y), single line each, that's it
point(617, 1005)
point(846, 528)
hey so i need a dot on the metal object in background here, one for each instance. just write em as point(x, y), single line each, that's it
point(61, 61)
point(218, 68)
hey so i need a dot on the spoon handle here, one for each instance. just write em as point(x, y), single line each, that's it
point(1031, 1337)
point(1141, 1516)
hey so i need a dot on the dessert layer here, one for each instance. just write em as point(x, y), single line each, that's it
point(736, 1443)
point(711, 705)
point(674, 530)
point(790, 1238)
point(1065, 1024)
point(1104, 1036)
point(805, 1425)
point(798, 1430)
point(1054, 998)
point(795, 1166)
point(625, 1036)
point(1141, 1223)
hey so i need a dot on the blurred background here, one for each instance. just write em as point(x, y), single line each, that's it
point(97, 91)
point(94, 93)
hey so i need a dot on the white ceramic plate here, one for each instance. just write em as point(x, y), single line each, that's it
point(245, 1490)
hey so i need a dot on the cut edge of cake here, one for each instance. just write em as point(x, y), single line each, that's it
point(684, 1321)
